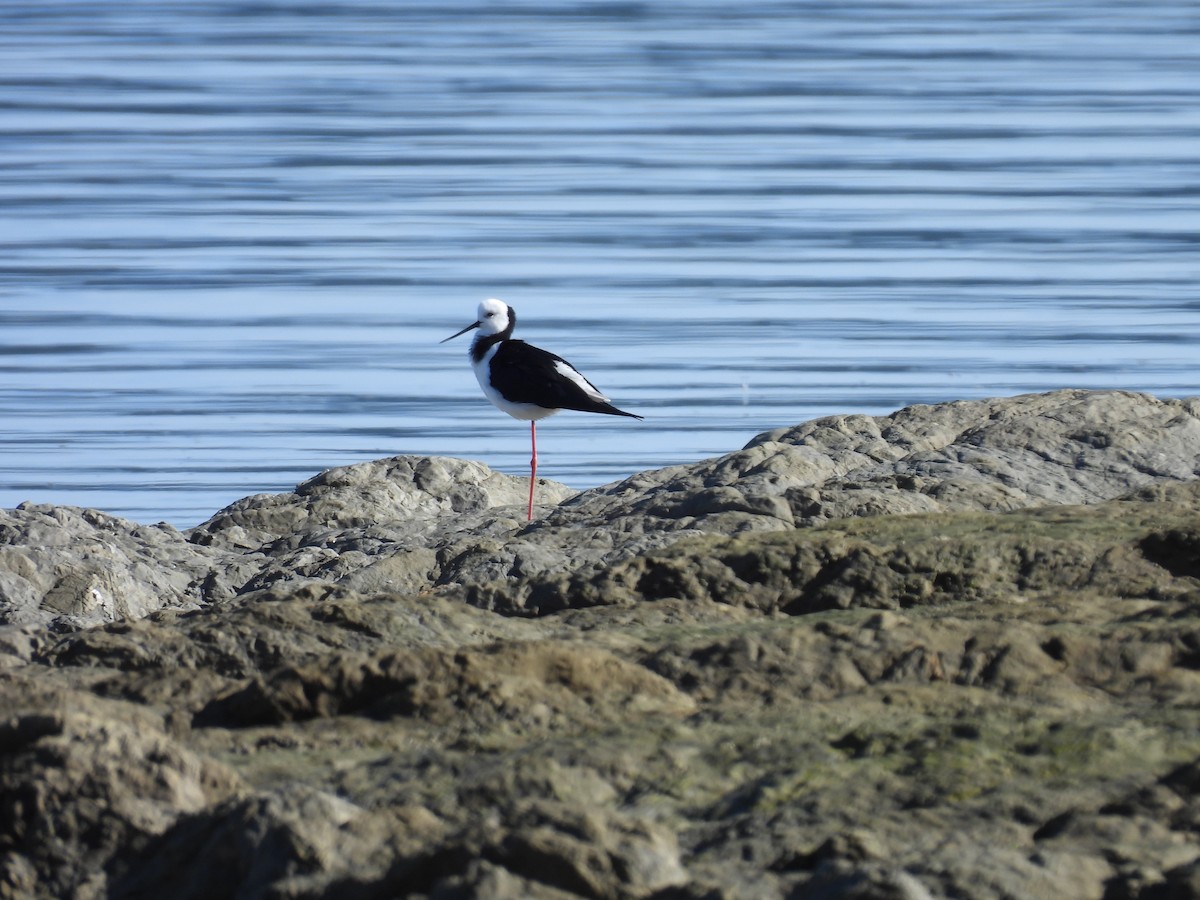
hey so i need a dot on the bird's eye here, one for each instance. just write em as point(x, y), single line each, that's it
point(489, 315)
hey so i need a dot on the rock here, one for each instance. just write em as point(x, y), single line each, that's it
point(904, 562)
point(456, 688)
point(382, 525)
point(952, 652)
point(1181, 883)
point(417, 492)
point(413, 523)
point(875, 882)
point(588, 852)
point(82, 779)
point(1065, 447)
point(282, 843)
point(67, 568)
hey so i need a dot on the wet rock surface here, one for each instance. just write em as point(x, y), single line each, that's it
point(952, 652)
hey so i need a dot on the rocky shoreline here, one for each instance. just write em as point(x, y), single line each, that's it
point(950, 652)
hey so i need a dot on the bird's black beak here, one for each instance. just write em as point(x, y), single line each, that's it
point(464, 331)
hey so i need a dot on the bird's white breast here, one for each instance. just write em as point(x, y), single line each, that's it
point(523, 411)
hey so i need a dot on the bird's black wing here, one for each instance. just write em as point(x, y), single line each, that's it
point(524, 373)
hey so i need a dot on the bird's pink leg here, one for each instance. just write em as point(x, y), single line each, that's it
point(532, 465)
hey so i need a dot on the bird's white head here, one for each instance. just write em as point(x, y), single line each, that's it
point(494, 317)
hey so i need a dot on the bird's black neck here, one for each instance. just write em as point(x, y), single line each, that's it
point(484, 342)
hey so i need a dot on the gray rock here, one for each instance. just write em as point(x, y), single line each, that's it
point(409, 524)
point(872, 882)
point(417, 493)
point(454, 687)
point(382, 525)
point(968, 704)
point(1064, 447)
point(82, 778)
point(67, 568)
point(280, 843)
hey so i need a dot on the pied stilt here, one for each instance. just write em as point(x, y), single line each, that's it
point(525, 381)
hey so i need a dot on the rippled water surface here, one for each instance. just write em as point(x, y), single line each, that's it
point(234, 233)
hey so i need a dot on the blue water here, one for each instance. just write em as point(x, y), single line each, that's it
point(234, 233)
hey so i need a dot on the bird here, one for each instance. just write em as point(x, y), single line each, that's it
point(525, 381)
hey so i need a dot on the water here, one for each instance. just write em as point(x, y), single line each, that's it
point(233, 233)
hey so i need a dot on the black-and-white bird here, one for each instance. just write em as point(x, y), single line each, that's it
point(525, 381)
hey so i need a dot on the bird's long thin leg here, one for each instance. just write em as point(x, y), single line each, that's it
point(532, 465)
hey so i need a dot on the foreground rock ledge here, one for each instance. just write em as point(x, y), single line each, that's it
point(951, 652)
